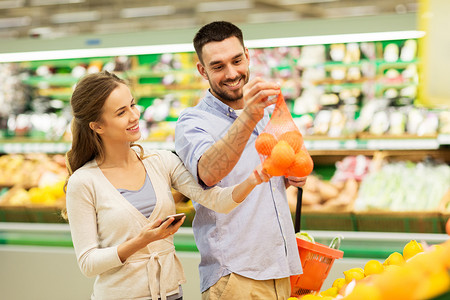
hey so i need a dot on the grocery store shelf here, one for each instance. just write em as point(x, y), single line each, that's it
point(373, 144)
point(311, 144)
point(354, 244)
point(34, 147)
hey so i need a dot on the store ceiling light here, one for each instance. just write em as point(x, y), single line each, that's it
point(7, 4)
point(150, 11)
point(223, 5)
point(297, 2)
point(15, 22)
point(75, 17)
point(187, 47)
point(352, 11)
point(335, 38)
point(272, 17)
point(53, 2)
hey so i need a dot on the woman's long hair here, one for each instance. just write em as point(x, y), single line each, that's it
point(87, 103)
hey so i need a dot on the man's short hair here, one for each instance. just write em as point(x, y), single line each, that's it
point(215, 32)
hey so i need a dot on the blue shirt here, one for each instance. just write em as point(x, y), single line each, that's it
point(256, 239)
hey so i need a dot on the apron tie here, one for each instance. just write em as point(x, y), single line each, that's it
point(155, 282)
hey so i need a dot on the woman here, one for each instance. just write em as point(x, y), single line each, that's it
point(117, 196)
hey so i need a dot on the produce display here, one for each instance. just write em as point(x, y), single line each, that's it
point(420, 272)
point(387, 188)
point(338, 90)
point(32, 179)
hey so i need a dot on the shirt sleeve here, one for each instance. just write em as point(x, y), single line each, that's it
point(92, 259)
point(191, 141)
point(218, 199)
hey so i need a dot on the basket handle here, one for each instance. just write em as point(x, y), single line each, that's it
point(298, 210)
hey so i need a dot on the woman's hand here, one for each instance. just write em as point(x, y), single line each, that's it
point(159, 230)
point(149, 233)
point(259, 176)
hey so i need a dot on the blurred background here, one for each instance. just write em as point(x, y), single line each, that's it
point(366, 83)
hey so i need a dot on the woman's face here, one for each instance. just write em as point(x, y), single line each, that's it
point(120, 118)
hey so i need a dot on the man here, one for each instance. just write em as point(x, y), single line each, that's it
point(250, 252)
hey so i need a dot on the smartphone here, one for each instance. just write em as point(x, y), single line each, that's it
point(177, 218)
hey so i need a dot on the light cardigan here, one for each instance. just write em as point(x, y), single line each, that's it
point(101, 218)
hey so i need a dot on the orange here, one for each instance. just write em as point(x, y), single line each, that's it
point(294, 139)
point(272, 169)
point(264, 143)
point(282, 155)
point(302, 165)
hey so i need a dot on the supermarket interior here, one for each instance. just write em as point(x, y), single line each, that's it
point(366, 84)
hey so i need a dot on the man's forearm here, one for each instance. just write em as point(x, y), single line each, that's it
point(221, 157)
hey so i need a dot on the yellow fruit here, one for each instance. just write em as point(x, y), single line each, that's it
point(391, 267)
point(397, 282)
point(332, 291)
point(311, 297)
point(354, 273)
point(373, 267)
point(292, 298)
point(411, 249)
point(364, 291)
point(339, 283)
point(434, 285)
point(394, 259)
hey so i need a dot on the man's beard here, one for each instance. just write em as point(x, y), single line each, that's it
point(229, 97)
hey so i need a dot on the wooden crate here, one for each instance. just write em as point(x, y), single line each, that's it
point(409, 222)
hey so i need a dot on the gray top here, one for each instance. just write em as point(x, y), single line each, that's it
point(143, 199)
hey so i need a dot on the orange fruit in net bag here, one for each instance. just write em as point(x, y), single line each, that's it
point(282, 155)
point(302, 165)
point(294, 139)
point(270, 168)
point(264, 143)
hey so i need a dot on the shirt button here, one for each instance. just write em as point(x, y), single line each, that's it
point(273, 189)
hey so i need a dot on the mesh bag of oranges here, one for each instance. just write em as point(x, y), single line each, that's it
point(280, 145)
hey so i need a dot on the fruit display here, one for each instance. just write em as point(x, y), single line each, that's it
point(31, 170)
point(322, 195)
point(337, 90)
point(420, 272)
point(404, 186)
point(31, 181)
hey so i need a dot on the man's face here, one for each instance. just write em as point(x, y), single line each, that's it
point(226, 67)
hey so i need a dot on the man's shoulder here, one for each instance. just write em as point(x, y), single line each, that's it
point(200, 112)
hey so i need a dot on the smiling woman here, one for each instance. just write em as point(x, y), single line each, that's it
point(117, 197)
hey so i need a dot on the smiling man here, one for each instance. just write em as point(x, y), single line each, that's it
point(251, 252)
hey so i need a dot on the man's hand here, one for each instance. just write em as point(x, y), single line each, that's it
point(257, 96)
point(295, 181)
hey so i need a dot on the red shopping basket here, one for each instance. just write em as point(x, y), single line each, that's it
point(317, 260)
